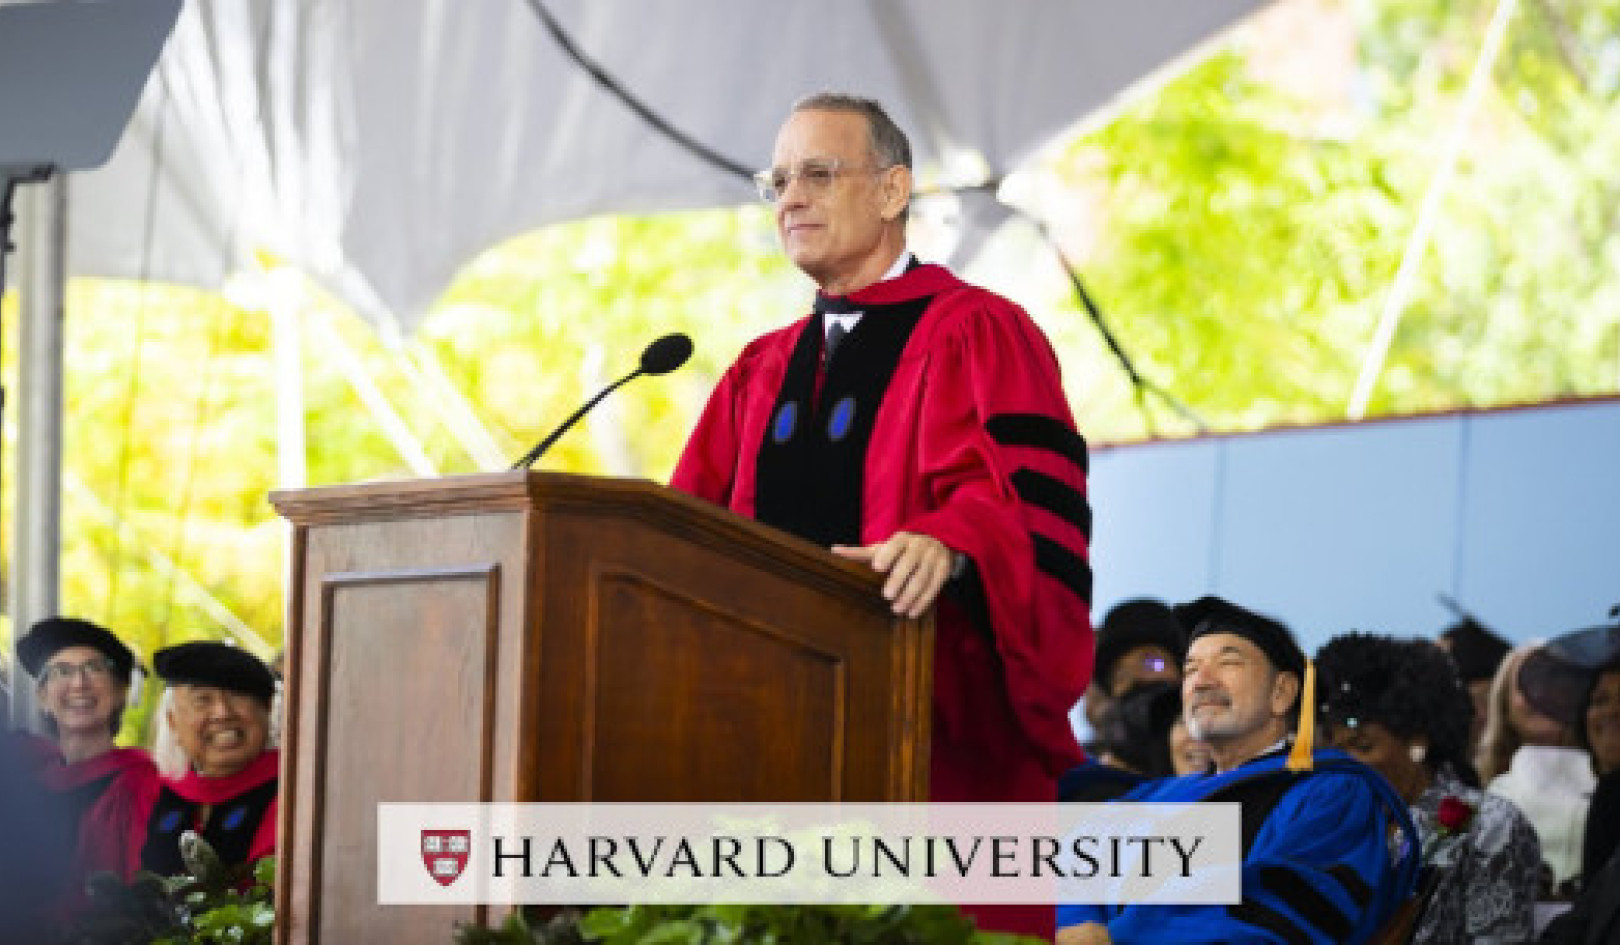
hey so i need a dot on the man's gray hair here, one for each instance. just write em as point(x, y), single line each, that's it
point(167, 754)
point(890, 147)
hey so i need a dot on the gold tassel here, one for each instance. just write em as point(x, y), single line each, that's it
point(1299, 757)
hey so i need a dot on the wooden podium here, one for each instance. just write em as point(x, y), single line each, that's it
point(542, 637)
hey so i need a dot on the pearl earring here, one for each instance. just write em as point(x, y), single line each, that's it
point(1418, 753)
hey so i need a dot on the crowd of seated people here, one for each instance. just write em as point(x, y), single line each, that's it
point(1515, 817)
point(1321, 857)
point(111, 809)
point(1507, 760)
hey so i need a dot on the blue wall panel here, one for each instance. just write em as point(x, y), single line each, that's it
point(1516, 513)
point(1153, 514)
point(1340, 528)
point(1540, 548)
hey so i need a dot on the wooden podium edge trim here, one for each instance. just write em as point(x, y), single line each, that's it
point(484, 493)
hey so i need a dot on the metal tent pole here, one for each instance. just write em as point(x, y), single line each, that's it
point(37, 526)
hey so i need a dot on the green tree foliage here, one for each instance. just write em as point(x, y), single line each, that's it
point(536, 327)
point(1249, 236)
point(168, 453)
point(1238, 256)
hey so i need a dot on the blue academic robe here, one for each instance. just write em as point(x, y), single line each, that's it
point(1321, 862)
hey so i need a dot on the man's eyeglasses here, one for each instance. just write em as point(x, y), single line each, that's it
point(98, 668)
point(815, 175)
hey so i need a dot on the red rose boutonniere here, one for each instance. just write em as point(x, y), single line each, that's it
point(1454, 815)
point(1451, 820)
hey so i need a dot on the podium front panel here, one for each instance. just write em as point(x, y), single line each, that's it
point(402, 670)
point(539, 637)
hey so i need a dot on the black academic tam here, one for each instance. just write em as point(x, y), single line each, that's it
point(221, 665)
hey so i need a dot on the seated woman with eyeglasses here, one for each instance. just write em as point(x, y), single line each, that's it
point(1399, 707)
point(83, 674)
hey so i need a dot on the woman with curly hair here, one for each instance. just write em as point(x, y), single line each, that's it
point(1398, 707)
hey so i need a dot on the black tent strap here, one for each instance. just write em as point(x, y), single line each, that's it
point(618, 91)
point(1139, 383)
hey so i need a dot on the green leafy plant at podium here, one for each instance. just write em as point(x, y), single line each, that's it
point(209, 904)
point(714, 925)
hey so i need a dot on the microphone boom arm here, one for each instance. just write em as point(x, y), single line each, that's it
point(528, 458)
point(662, 356)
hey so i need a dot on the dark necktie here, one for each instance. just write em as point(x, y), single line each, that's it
point(835, 335)
point(834, 305)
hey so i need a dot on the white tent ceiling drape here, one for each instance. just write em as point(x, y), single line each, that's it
point(380, 144)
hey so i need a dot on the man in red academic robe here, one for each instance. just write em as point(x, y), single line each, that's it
point(919, 424)
point(219, 712)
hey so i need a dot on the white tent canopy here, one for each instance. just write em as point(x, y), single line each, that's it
point(380, 144)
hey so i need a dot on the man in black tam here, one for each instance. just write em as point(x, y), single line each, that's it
point(1327, 848)
point(218, 709)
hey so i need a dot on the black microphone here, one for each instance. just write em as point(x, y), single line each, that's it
point(662, 356)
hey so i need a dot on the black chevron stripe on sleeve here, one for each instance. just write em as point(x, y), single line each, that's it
point(1040, 432)
point(1055, 496)
point(1063, 566)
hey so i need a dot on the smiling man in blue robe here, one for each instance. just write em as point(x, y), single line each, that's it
point(1329, 853)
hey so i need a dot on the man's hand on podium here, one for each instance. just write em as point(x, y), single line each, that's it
point(917, 566)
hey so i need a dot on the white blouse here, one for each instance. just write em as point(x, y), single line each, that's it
point(1553, 787)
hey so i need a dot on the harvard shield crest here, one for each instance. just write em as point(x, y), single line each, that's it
point(445, 853)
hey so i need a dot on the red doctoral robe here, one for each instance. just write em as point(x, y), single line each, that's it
point(970, 441)
point(109, 797)
point(241, 817)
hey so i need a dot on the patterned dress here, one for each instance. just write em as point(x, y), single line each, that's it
point(1486, 875)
